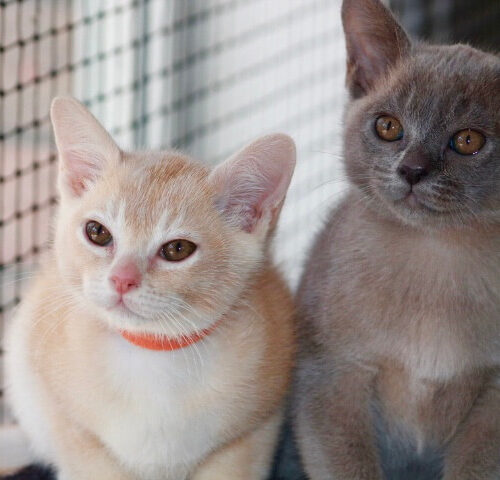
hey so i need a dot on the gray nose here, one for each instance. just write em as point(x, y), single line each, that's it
point(412, 173)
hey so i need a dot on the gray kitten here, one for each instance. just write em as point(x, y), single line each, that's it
point(399, 305)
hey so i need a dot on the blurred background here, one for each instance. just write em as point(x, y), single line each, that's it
point(203, 76)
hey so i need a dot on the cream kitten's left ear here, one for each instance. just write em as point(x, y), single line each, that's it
point(85, 148)
point(252, 184)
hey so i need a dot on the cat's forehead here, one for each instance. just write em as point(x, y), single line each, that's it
point(454, 59)
point(445, 71)
point(155, 189)
point(445, 84)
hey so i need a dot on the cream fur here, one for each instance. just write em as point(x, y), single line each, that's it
point(96, 406)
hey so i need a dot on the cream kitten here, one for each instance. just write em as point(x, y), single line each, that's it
point(156, 342)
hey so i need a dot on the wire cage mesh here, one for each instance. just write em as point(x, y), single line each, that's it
point(203, 76)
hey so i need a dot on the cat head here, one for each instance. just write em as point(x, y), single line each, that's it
point(422, 128)
point(154, 242)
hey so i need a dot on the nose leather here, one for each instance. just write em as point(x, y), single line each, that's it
point(412, 175)
point(414, 167)
point(125, 277)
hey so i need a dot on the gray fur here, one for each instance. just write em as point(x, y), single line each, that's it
point(400, 456)
point(399, 365)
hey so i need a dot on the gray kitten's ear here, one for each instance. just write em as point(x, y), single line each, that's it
point(84, 147)
point(251, 185)
point(375, 42)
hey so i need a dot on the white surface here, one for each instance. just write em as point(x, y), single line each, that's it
point(14, 450)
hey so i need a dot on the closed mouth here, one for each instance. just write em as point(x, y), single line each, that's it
point(122, 307)
point(413, 201)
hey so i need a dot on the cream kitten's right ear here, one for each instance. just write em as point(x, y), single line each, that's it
point(85, 148)
point(253, 183)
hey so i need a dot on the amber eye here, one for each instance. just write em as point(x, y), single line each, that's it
point(98, 233)
point(177, 250)
point(389, 128)
point(467, 142)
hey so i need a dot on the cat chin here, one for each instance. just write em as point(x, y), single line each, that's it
point(404, 205)
point(412, 210)
point(413, 206)
point(121, 318)
point(427, 218)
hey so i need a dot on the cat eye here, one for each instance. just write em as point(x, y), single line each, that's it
point(467, 142)
point(177, 250)
point(98, 233)
point(389, 128)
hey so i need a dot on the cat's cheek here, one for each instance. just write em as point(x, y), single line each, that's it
point(98, 293)
point(396, 192)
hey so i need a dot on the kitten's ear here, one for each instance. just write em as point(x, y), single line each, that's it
point(375, 42)
point(84, 147)
point(252, 184)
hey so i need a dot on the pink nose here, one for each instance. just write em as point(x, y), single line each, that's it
point(126, 277)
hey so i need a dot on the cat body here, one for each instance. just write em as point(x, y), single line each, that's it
point(420, 363)
point(153, 410)
point(399, 306)
point(97, 405)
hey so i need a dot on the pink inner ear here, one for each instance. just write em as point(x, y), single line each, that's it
point(252, 184)
point(80, 168)
point(252, 187)
point(245, 215)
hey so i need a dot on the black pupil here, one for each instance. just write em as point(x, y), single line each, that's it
point(178, 246)
point(97, 230)
point(468, 140)
point(389, 125)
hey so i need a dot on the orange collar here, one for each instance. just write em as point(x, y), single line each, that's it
point(155, 342)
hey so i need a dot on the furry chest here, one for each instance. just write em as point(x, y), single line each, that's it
point(151, 440)
point(438, 329)
point(437, 346)
point(165, 417)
